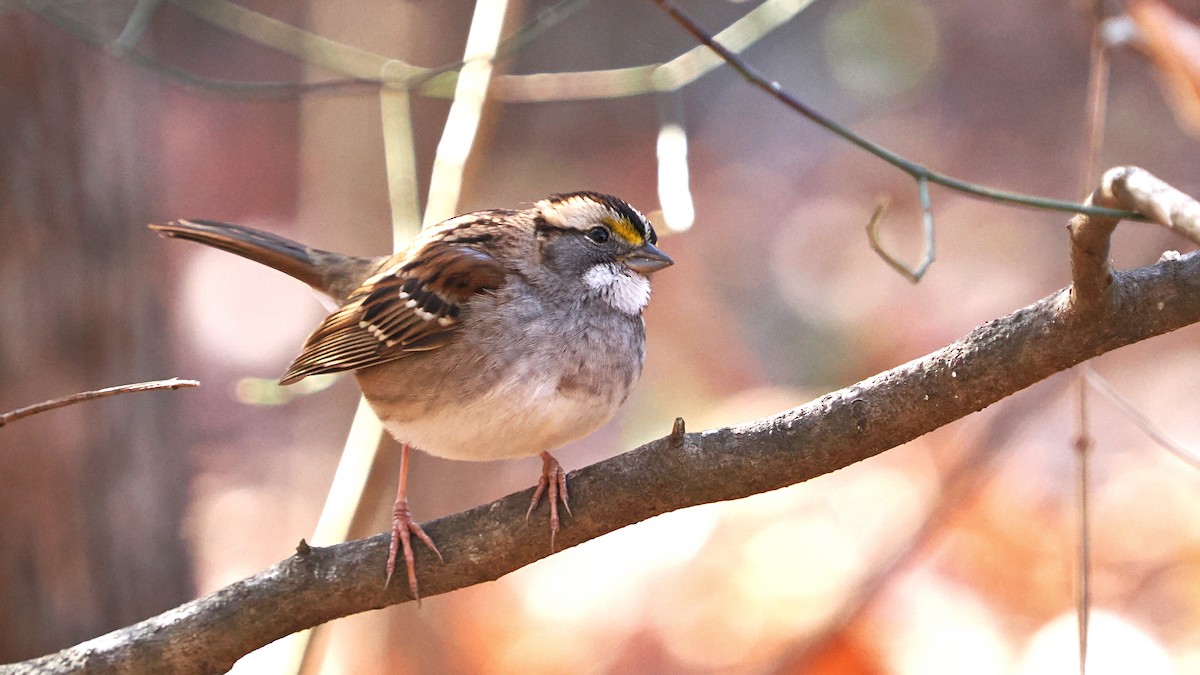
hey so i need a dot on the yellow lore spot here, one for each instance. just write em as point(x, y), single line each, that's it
point(624, 229)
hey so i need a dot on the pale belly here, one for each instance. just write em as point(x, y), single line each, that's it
point(518, 420)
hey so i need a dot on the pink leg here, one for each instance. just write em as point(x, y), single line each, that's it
point(555, 480)
point(403, 528)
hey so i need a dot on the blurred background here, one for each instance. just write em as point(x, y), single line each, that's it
point(955, 553)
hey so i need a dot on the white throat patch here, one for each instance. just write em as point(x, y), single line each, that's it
point(624, 289)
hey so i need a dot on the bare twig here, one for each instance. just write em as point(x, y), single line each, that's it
point(362, 68)
point(173, 383)
point(678, 432)
point(1129, 187)
point(928, 251)
point(1091, 271)
point(913, 169)
point(1140, 420)
point(1160, 203)
point(1083, 591)
point(136, 25)
point(1097, 97)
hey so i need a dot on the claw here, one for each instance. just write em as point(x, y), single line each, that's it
point(403, 529)
point(553, 480)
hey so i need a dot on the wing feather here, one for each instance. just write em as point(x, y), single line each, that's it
point(413, 304)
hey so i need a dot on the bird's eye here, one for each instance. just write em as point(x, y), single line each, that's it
point(598, 234)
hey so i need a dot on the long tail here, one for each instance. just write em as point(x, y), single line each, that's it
point(334, 274)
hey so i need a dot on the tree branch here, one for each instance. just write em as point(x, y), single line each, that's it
point(1129, 187)
point(995, 360)
point(54, 404)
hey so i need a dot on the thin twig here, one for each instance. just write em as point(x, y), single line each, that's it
point(1097, 98)
point(1148, 427)
point(913, 169)
point(1125, 186)
point(877, 244)
point(1162, 204)
point(1091, 269)
point(1083, 597)
point(929, 237)
point(135, 26)
point(426, 80)
point(362, 67)
point(173, 383)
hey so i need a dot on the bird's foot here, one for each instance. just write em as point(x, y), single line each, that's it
point(403, 529)
point(553, 481)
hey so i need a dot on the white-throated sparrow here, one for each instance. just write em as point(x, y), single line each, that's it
point(496, 334)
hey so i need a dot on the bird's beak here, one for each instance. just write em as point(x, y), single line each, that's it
point(647, 258)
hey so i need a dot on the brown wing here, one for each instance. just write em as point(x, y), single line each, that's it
point(414, 305)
